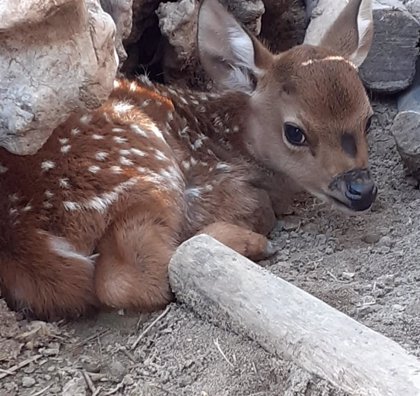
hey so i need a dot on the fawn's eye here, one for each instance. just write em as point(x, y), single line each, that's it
point(368, 124)
point(294, 135)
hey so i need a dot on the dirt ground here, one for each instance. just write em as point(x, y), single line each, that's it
point(367, 267)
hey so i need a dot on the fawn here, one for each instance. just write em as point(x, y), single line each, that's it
point(92, 219)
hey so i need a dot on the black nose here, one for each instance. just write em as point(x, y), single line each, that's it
point(361, 193)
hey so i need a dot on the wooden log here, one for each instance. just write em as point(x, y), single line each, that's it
point(406, 126)
point(390, 65)
point(231, 291)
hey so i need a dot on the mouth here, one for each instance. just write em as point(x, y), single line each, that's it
point(343, 205)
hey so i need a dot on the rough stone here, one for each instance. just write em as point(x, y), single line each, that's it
point(406, 126)
point(55, 57)
point(390, 65)
point(75, 387)
point(28, 382)
point(122, 14)
point(414, 7)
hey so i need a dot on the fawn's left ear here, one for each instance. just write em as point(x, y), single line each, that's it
point(351, 34)
point(232, 57)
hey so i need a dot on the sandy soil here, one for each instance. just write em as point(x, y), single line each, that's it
point(367, 267)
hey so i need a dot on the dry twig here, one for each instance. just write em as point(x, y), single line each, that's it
point(89, 382)
point(216, 342)
point(160, 317)
point(12, 370)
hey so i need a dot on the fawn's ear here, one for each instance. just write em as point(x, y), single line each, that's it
point(351, 33)
point(231, 56)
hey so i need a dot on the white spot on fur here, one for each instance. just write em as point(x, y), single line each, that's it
point(329, 59)
point(133, 86)
point(47, 205)
point(198, 143)
point(47, 165)
point(64, 182)
point(27, 208)
point(193, 192)
point(70, 206)
point(125, 152)
point(13, 198)
point(3, 169)
point(119, 139)
point(65, 249)
point(122, 107)
point(102, 202)
point(186, 165)
point(13, 211)
point(136, 129)
point(116, 169)
point(116, 84)
point(160, 156)
point(75, 131)
point(94, 169)
point(63, 140)
point(107, 117)
point(172, 91)
point(66, 148)
point(101, 155)
point(170, 116)
point(138, 152)
point(235, 128)
point(118, 130)
point(145, 103)
point(183, 132)
point(48, 194)
point(86, 119)
point(95, 136)
point(223, 167)
point(125, 161)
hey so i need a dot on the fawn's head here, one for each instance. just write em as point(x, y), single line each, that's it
point(307, 111)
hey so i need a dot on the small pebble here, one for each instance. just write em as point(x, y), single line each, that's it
point(386, 241)
point(75, 387)
point(128, 380)
point(348, 275)
point(371, 238)
point(117, 369)
point(398, 307)
point(291, 223)
point(329, 250)
point(28, 382)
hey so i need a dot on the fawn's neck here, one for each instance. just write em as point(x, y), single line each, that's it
point(217, 118)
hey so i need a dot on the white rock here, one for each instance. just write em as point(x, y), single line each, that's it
point(55, 57)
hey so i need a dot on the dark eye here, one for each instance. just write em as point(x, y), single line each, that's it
point(368, 124)
point(294, 135)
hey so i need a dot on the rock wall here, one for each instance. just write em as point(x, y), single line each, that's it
point(55, 57)
point(58, 56)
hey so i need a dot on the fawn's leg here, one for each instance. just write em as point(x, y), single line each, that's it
point(245, 242)
point(132, 267)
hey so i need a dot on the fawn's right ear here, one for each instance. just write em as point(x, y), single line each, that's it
point(231, 56)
